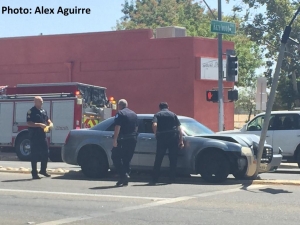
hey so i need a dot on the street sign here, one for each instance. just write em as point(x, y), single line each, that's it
point(222, 27)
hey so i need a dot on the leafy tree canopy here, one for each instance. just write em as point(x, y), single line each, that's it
point(195, 17)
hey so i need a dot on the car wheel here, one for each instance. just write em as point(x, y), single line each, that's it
point(55, 155)
point(22, 147)
point(94, 164)
point(240, 175)
point(214, 167)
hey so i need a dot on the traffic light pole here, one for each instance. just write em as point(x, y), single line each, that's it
point(271, 99)
point(220, 73)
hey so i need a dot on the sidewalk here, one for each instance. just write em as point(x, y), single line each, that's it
point(25, 167)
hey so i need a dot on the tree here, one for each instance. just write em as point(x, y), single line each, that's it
point(265, 29)
point(246, 101)
point(196, 19)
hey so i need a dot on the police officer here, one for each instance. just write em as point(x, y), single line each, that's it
point(166, 128)
point(37, 121)
point(124, 141)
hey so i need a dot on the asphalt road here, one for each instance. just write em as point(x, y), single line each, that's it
point(75, 200)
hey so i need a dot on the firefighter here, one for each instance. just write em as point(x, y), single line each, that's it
point(166, 128)
point(38, 123)
point(124, 141)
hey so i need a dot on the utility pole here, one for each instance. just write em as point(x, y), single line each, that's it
point(220, 73)
point(284, 39)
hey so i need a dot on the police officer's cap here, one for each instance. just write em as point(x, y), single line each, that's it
point(163, 105)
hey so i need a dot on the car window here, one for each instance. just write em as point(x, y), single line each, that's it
point(192, 127)
point(275, 123)
point(288, 122)
point(141, 127)
point(147, 124)
point(111, 127)
point(297, 121)
point(257, 123)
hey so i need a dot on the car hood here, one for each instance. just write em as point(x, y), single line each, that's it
point(243, 139)
point(229, 132)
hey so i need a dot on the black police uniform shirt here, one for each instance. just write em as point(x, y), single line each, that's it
point(37, 116)
point(167, 122)
point(128, 121)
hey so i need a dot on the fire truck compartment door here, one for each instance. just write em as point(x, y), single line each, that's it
point(107, 112)
point(23, 107)
point(63, 120)
point(6, 120)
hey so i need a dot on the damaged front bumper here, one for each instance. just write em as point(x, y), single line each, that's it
point(251, 161)
point(272, 166)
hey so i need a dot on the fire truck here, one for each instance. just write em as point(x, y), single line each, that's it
point(70, 105)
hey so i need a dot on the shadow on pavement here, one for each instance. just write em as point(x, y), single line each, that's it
point(103, 187)
point(146, 178)
point(19, 180)
point(275, 191)
point(149, 184)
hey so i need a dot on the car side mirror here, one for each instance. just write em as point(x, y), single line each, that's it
point(244, 128)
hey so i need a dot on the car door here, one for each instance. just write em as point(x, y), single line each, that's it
point(146, 145)
point(255, 127)
point(107, 143)
point(287, 136)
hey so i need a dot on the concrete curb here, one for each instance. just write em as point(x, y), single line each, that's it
point(58, 171)
point(288, 166)
point(277, 182)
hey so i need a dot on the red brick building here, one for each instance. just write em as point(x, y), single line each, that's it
point(131, 64)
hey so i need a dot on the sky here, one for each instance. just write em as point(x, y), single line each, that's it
point(103, 16)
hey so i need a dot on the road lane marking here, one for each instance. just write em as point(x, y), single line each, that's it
point(67, 220)
point(185, 198)
point(153, 204)
point(80, 194)
point(228, 191)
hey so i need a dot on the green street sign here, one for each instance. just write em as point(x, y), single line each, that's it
point(222, 27)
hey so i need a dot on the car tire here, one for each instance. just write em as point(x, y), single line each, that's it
point(55, 155)
point(240, 175)
point(22, 147)
point(94, 164)
point(214, 167)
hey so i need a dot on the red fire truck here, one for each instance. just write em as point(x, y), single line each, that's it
point(69, 105)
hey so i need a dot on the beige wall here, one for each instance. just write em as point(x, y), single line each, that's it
point(240, 120)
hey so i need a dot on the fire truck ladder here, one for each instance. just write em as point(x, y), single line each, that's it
point(26, 96)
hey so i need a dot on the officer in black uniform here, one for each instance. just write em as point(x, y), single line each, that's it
point(166, 128)
point(37, 121)
point(124, 141)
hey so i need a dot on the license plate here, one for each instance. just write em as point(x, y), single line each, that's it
point(263, 167)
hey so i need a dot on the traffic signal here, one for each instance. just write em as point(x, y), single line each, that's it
point(233, 95)
point(231, 67)
point(212, 96)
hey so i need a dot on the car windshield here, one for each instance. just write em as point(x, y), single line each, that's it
point(192, 127)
